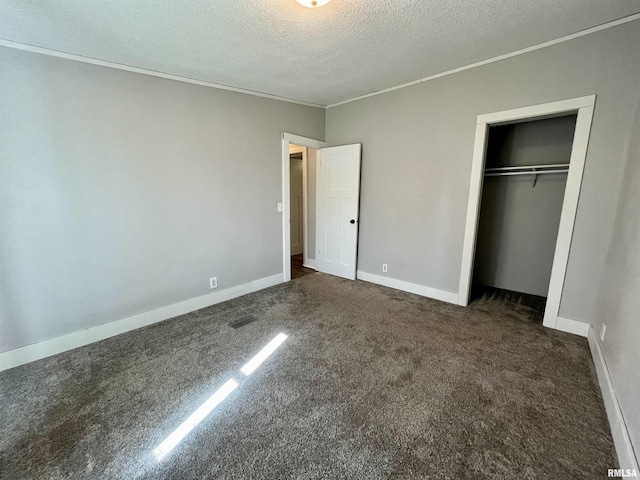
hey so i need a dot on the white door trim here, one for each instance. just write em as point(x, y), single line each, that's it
point(287, 139)
point(584, 107)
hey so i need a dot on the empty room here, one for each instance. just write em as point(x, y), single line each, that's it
point(319, 239)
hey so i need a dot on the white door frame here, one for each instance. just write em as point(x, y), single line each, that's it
point(287, 139)
point(583, 107)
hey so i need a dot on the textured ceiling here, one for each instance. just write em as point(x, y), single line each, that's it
point(325, 55)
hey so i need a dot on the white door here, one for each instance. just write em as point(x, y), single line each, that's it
point(338, 194)
point(296, 206)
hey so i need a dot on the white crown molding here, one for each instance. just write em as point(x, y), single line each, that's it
point(566, 38)
point(144, 71)
point(47, 348)
point(178, 78)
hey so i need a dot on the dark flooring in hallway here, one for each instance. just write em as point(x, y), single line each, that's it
point(297, 269)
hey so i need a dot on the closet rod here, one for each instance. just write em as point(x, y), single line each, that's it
point(533, 172)
point(526, 167)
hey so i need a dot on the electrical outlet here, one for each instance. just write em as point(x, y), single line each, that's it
point(385, 267)
point(602, 331)
point(213, 282)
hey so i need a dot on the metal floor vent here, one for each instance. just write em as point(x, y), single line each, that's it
point(243, 321)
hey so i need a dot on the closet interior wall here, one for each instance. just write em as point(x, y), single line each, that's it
point(520, 214)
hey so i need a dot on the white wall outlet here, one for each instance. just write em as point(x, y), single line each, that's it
point(213, 282)
point(603, 331)
point(385, 267)
point(280, 207)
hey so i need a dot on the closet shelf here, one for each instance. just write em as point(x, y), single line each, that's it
point(527, 170)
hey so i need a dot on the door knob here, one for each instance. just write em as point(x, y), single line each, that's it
point(352, 221)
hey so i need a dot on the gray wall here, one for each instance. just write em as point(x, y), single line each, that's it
point(517, 232)
point(121, 193)
point(541, 142)
point(312, 156)
point(619, 301)
point(418, 146)
point(518, 224)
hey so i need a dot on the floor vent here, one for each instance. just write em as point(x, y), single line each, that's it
point(243, 321)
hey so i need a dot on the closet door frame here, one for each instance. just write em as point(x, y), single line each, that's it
point(583, 107)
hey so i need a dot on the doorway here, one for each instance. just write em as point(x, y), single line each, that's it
point(294, 145)
point(333, 248)
point(582, 108)
point(302, 181)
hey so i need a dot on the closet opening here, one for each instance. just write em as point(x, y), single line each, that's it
point(524, 183)
point(580, 110)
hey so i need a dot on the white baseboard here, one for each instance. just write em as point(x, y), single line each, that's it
point(621, 438)
point(442, 295)
point(310, 263)
point(30, 353)
point(573, 326)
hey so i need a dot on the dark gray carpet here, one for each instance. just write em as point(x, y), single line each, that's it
point(528, 307)
point(371, 383)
